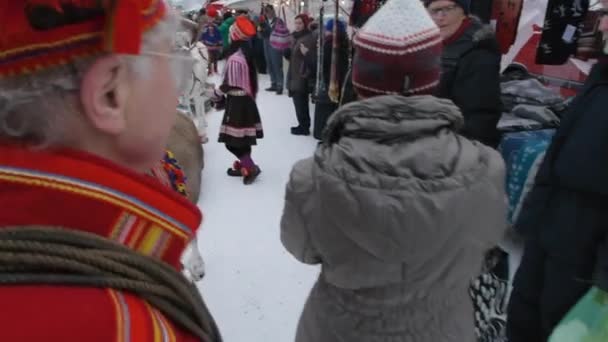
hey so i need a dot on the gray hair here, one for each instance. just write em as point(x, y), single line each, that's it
point(34, 107)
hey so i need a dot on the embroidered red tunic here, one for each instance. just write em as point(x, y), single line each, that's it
point(79, 191)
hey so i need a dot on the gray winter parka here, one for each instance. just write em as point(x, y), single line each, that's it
point(398, 209)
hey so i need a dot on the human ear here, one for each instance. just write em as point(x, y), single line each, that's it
point(104, 93)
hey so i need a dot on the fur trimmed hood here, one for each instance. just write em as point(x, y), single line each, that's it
point(483, 35)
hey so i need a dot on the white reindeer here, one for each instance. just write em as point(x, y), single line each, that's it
point(193, 99)
point(192, 260)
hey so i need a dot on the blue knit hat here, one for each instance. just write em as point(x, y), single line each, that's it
point(329, 26)
point(465, 4)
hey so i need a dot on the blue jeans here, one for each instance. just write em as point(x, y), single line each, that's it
point(274, 65)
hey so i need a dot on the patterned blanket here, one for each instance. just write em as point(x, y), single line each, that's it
point(523, 152)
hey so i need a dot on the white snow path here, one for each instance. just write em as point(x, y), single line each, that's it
point(254, 288)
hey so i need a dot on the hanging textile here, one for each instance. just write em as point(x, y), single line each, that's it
point(590, 37)
point(363, 10)
point(563, 24)
point(506, 14)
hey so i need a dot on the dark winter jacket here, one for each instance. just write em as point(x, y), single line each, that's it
point(385, 207)
point(471, 79)
point(565, 219)
point(298, 75)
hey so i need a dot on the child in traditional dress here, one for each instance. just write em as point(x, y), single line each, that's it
point(241, 125)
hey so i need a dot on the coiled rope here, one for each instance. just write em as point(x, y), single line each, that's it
point(59, 256)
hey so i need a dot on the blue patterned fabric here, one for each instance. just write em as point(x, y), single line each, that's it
point(523, 152)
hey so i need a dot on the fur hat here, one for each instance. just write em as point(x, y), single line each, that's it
point(397, 51)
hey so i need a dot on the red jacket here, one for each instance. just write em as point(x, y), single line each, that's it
point(83, 192)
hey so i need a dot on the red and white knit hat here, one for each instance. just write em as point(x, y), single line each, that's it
point(398, 51)
point(242, 29)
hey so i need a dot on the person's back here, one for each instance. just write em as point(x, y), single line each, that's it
point(393, 230)
point(385, 203)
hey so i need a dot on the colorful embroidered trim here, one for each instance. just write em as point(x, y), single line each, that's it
point(137, 321)
point(163, 331)
point(123, 321)
point(36, 178)
point(141, 235)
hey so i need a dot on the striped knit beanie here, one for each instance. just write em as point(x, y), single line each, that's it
point(397, 51)
point(242, 29)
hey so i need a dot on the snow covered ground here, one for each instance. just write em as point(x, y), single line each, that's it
point(254, 288)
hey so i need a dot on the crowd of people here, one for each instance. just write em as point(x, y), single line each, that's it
point(273, 46)
point(403, 197)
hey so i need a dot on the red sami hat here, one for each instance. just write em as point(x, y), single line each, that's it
point(37, 34)
point(242, 29)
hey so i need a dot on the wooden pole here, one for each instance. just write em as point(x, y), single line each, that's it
point(334, 85)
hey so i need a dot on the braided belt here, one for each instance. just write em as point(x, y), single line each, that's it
point(236, 92)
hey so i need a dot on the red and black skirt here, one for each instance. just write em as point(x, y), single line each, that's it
point(241, 125)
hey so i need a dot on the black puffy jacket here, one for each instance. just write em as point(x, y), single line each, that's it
point(565, 219)
point(471, 79)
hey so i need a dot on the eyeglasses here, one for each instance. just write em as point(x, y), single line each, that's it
point(181, 65)
point(435, 12)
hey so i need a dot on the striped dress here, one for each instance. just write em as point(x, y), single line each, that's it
point(241, 125)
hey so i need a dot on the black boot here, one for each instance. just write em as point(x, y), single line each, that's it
point(300, 130)
point(271, 88)
point(250, 174)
